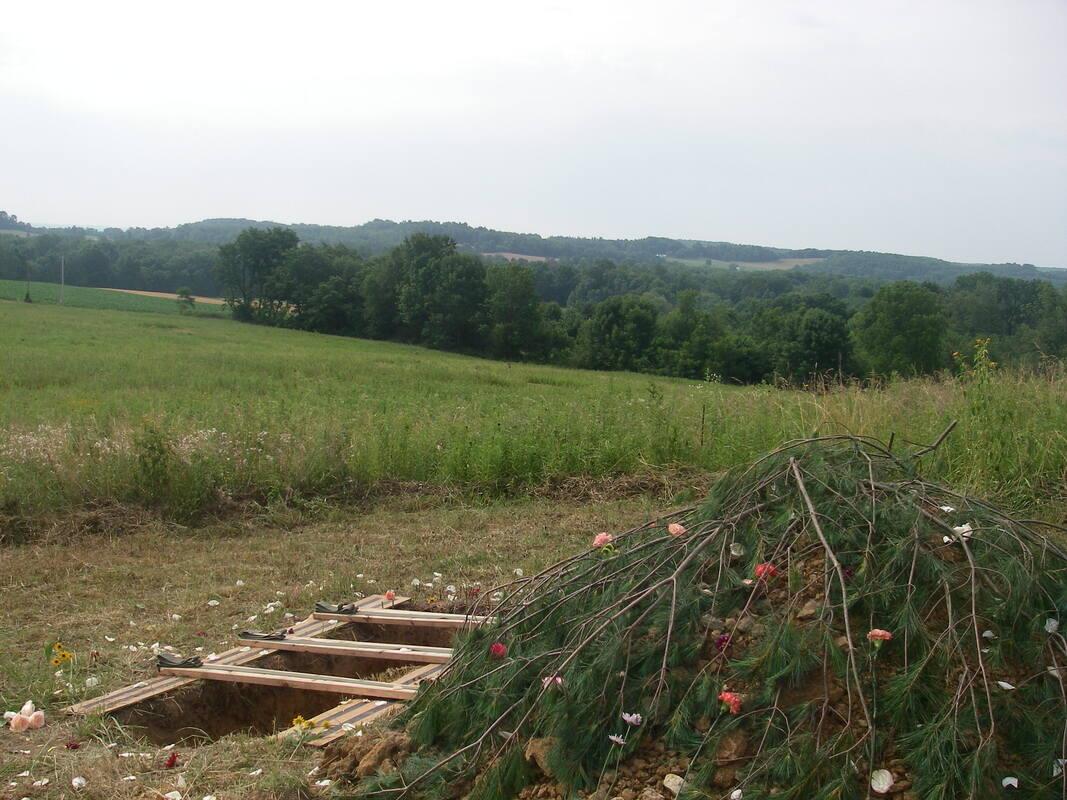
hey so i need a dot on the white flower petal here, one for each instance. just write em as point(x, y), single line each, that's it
point(988, 635)
point(737, 550)
point(736, 794)
point(881, 781)
point(323, 782)
point(1011, 781)
point(1052, 625)
point(173, 796)
point(947, 509)
point(78, 782)
point(256, 772)
point(1005, 686)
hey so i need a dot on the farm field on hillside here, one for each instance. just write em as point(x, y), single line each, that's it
point(104, 299)
point(186, 414)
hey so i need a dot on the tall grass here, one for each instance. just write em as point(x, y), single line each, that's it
point(184, 414)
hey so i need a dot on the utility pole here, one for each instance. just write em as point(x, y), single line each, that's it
point(62, 276)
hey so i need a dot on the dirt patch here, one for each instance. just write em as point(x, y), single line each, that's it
point(210, 301)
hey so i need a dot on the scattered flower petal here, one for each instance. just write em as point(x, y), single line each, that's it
point(1011, 781)
point(947, 509)
point(736, 794)
point(212, 603)
point(965, 530)
point(881, 781)
point(1051, 625)
point(78, 782)
point(988, 635)
point(1005, 686)
point(676, 529)
point(737, 550)
point(256, 772)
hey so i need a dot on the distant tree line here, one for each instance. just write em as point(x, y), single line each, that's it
point(745, 327)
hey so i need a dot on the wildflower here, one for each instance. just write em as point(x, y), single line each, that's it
point(603, 540)
point(616, 739)
point(722, 642)
point(736, 794)
point(676, 529)
point(766, 570)
point(877, 636)
point(498, 650)
point(632, 719)
point(731, 701)
point(881, 781)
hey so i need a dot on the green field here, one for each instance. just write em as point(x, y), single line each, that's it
point(187, 414)
point(102, 299)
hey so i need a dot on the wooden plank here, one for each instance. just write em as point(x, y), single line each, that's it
point(144, 690)
point(295, 680)
point(412, 653)
point(417, 619)
point(353, 714)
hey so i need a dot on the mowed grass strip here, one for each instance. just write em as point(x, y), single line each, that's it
point(185, 414)
point(110, 599)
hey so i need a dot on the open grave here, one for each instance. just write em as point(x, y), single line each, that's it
point(340, 668)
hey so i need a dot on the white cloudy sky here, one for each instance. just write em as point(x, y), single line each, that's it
point(934, 128)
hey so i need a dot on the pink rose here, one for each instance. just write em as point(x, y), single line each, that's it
point(603, 540)
point(676, 529)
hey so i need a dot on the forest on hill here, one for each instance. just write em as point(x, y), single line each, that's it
point(662, 316)
point(179, 250)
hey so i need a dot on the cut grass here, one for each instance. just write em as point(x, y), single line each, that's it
point(81, 591)
point(103, 299)
point(185, 416)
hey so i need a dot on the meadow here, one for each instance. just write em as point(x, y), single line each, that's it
point(188, 415)
point(102, 299)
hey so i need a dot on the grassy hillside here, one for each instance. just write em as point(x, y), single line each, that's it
point(104, 299)
point(186, 413)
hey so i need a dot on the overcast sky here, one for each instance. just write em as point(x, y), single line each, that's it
point(929, 128)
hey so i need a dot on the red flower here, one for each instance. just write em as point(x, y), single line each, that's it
point(171, 762)
point(766, 570)
point(390, 596)
point(73, 745)
point(498, 649)
point(722, 642)
point(732, 700)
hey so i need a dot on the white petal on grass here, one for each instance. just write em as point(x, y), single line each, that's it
point(737, 550)
point(324, 782)
point(736, 794)
point(1051, 625)
point(988, 635)
point(947, 509)
point(256, 772)
point(173, 796)
point(78, 782)
point(212, 603)
point(965, 530)
point(239, 583)
point(1010, 781)
point(881, 781)
point(1057, 767)
point(1007, 687)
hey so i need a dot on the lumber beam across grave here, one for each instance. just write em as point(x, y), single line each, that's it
point(295, 680)
point(410, 653)
point(353, 714)
point(398, 616)
point(147, 689)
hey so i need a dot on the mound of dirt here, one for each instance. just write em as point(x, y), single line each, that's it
point(826, 625)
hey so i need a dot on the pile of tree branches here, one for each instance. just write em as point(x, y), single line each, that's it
point(826, 625)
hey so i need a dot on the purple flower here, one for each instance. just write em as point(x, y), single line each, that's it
point(722, 642)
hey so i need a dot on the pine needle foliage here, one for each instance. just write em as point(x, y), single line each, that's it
point(769, 592)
